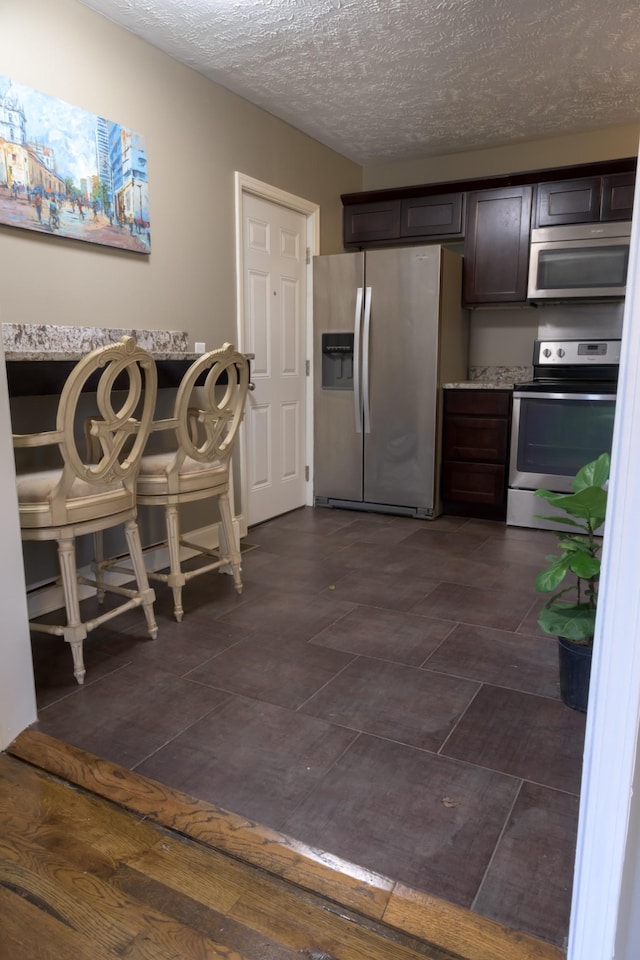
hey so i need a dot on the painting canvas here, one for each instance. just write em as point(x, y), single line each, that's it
point(67, 172)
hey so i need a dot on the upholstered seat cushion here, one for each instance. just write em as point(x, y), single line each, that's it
point(193, 475)
point(84, 501)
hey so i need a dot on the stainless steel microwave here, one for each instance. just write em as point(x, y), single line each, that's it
point(580, 261)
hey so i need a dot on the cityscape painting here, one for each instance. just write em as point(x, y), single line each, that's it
point(70, 173)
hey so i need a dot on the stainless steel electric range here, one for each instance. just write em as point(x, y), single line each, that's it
point(562, 419)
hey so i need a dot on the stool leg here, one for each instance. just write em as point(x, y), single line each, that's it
point(75, 631)
point(98, 563)
point(176, 577)
point(233, 547)
point(137, 559)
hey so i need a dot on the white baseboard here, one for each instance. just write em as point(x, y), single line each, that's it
point(44, 600)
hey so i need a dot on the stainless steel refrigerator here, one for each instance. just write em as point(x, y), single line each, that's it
point(389, 329)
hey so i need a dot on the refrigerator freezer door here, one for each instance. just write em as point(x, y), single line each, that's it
point(399, 450)
point(337, 443)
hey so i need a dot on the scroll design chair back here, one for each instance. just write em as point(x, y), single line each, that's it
point(205, 425)
point(90, 494)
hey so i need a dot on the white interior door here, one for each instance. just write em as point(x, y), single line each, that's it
point(274, 320)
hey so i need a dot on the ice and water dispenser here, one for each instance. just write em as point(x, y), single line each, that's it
point(337, 361)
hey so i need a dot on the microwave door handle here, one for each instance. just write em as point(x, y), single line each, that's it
point(357, 394)
point(365, 361)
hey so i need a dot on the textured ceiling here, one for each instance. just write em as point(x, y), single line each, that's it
point(382, 80)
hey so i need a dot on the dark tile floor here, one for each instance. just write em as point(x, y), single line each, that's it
point(380, 690)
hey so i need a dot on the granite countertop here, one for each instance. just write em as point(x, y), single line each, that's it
point(41, 341)
point(492, 378)
point(477, 385)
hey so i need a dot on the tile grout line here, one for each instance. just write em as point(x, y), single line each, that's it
point(304, 703)
point(179, 733)
point(458, 721)
point(357, 735)
point(497, 843)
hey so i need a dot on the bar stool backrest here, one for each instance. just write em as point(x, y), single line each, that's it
point(123, 378)
point(119, 430)
point(208, 410)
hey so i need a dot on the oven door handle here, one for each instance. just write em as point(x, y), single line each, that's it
point(534, 395)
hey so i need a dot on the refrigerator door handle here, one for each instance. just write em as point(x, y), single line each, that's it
point(365, 360)
point(357, 393)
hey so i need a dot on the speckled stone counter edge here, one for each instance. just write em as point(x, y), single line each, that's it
point(42, 341)
point(492, 378)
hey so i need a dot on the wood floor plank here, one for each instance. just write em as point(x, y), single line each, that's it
point(212, 877)
point(290, 920)
point(27, 932)
point(98, 910)
point(205, 920)
point(191, 876)
point(458, 929)
point(114, 831)
point(354, 886)
point(201, 874)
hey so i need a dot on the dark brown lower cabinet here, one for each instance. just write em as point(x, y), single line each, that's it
point(475, 452)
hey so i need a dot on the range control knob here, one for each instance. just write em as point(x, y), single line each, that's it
point(561, 352)
point(546, 352)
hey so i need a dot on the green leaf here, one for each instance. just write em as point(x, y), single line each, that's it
point(566, 520)
point(588, 504)
point(549, 579)
point(575, 622)
point(581, 542)
point(593, 474)
point(584, 566)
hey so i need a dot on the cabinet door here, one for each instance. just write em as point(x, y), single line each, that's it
point(478, 403)
point(475, 438)
point(437, 216)
point(496, 246)
point(474, 483)
point(617, 196)
point(367, 222)
point(568, 201)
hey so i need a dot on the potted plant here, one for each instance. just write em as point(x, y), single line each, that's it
point(570, 613)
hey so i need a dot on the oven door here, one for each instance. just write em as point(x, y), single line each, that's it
point(553, 435)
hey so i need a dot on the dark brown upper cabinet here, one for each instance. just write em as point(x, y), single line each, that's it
point(370, 222)
point(496, 246)
point(617, 196)
point(568, 201)
point(587, 200)
point(432, 217)
point(400, 220)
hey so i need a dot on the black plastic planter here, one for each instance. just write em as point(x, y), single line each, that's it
point(575, 672)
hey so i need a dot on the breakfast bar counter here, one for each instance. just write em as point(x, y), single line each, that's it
point(40, 357)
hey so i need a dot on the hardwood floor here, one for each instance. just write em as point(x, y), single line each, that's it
point(99, 862)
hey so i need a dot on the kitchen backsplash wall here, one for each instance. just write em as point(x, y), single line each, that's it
point(504, 337)
point(581, 320)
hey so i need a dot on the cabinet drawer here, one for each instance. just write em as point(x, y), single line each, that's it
point(475, 438)
point(492, 403)
point(481, 483)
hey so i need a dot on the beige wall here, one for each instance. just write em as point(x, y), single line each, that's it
point(197, 135)
point(608, 144)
